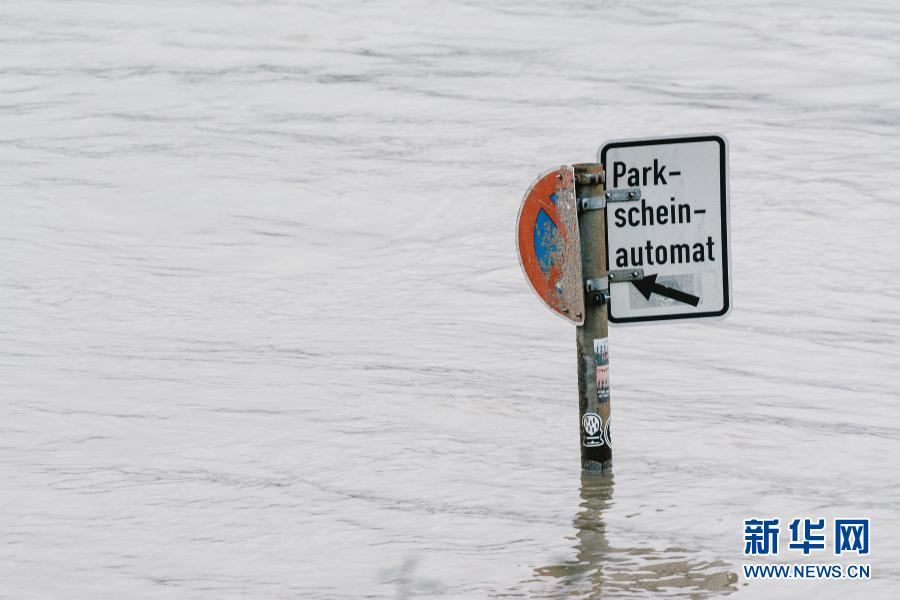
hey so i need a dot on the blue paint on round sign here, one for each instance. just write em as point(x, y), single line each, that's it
point(546, 239)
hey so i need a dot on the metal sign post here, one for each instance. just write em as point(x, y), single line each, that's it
point(641, 236)
point(592, 336)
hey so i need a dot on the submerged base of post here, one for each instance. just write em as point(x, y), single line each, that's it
point(591, 338)
point(597, 467)
point(593, 392)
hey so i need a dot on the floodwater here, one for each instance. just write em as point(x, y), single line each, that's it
point(264, 333)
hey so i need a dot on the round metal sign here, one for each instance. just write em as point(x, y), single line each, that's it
point(548, 243)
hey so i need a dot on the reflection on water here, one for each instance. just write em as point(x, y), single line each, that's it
point(599, 569)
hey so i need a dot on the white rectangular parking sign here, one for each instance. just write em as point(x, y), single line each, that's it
point(677, 232)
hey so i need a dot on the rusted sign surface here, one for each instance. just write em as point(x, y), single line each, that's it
point(549, 246)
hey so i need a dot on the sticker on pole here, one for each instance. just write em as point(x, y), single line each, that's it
point(548, 243)
point(677, 234)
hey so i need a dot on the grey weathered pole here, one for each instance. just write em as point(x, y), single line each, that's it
point(593, 361)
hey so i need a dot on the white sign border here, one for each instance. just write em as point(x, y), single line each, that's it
point(725, 196)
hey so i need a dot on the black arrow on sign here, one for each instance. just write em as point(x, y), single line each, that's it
point(648, 285)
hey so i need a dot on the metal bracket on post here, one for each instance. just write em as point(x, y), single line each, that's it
point(620, 275)
point(597, 290)
point(618, 195)
point(589, 178)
